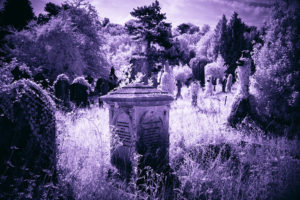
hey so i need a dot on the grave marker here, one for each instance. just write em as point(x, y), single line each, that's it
point(139, 117)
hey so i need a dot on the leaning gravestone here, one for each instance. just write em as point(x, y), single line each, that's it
point(27, 141)
point(139, 117)
point(62, 89)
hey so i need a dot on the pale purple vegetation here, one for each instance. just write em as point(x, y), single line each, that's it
point(192, 111)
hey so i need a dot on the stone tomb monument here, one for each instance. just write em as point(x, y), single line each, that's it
point(139, 121)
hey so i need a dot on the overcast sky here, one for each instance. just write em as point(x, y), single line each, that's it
point(198, 12)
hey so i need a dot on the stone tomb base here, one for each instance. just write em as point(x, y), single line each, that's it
point(140, 138)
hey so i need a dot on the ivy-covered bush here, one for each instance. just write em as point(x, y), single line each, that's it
point(27, 142)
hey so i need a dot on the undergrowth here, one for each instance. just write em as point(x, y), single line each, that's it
point(210, 160)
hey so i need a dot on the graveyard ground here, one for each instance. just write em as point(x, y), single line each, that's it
point(211, 160)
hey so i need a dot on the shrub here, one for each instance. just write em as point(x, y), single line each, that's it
point(182, 73)
point(215, 69)
point(276, 81)
point(27, 144)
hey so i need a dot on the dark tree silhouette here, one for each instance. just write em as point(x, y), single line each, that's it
point(17, 13)
point(150, 28)
point(221, 38)
point(187, 28)
point(52, 10)
point(236, 43)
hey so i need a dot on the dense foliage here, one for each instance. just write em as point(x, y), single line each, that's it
point(209, 159)
point(276, 81)
point(69, 43)
point(152, 31)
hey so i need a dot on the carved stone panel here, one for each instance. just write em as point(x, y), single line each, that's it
point(151, 129)
point(123, 129)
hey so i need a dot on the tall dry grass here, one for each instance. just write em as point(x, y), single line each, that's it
point(211, 160)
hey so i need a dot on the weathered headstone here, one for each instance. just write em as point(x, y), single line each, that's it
point(179, 86)
point(62, 90)
point(79, 91)
point(139, 117)
point(167, 82)
point(194, 91)
point(27, 141)
point(229, 83)
point(224, 81)
point(209, 86)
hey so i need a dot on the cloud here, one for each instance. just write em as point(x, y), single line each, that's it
point(198, 12)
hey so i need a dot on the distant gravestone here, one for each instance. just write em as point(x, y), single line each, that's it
point(229, 83)
point(62, 90)
point(209, 86)
point(27, 141)
point(194, 92)
point(139, 115)
point(224, 82)
point(79, 92)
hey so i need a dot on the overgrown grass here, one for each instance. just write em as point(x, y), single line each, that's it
point(211, 160)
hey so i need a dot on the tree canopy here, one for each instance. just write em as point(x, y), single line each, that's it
point(68, 43)
point(150, 28)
